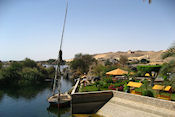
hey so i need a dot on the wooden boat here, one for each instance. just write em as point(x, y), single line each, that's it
point(65, 100)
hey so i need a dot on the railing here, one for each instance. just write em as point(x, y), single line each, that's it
point(76, 86)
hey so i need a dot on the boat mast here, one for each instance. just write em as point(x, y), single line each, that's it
point(57, 79)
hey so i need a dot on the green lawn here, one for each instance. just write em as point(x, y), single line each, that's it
point(88, 88)
point(91, 88)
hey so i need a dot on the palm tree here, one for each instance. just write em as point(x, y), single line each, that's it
point(170, 66)
point(168, 69)
point(170, 52)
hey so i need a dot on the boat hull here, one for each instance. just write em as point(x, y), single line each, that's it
point(65, 100)
point(61, 105)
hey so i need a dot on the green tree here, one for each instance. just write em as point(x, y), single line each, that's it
point(51, 61)
point(99, 70)
point(148, 93)
point(167, 69)
point(145, 82)
point(16, 66)
point(29, 63)
point(43, 71)
point(169, 53)
point(31, 74)
point(152, 70)
point(171, 82)
point(107, 62)
point(123, 60)
point(24, 73)
point(11, 74)
point(1, 64)
point(51, 72)
point(126, 88)
point(81, 63)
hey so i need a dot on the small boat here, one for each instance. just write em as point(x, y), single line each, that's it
point(65, 100)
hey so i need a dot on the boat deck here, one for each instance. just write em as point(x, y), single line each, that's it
point(63, 98)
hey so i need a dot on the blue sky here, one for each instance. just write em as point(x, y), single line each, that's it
point(32, 28)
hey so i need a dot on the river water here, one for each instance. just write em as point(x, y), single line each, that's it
point(31, 101)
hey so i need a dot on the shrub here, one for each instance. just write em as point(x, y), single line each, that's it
point(23, 73)
point(11, 74)
point(105, 85)
point(118, 84)
point(29, 63)
point(112, 87)
point(114, 80)
point(1, 64)
point(31, 74)
point(144, 61)
point(108, 80)
point(99, 84)
point(125, 82)
point(120, 88)
point(126, 88)
point(148, 93)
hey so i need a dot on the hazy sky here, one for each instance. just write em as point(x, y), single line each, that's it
point(32, 28)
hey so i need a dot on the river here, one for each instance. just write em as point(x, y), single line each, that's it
point(31, 101)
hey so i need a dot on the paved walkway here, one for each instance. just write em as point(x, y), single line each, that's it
point(118, 107)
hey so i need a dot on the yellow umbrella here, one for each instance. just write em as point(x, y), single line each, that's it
point(117, 72)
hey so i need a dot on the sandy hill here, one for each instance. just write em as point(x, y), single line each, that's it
point(153, 56)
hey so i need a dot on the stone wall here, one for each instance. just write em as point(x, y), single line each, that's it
point(146, 100)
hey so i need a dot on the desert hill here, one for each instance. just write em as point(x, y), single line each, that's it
point(153, 56)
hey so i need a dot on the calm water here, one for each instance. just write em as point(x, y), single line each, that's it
point(31, 102)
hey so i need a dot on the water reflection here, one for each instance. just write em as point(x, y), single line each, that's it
point(31, 91)
point(1, 95)
point(86, 115)
point(31, 101)
point(28, 92)
point(59, 113)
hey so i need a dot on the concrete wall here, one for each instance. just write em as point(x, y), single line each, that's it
point(146, 100)
point(89, 102)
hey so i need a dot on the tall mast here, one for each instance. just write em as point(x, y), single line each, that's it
point(59, 59)
point(57, 79)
